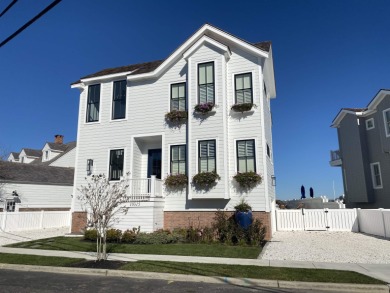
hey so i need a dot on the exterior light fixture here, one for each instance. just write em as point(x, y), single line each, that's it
point(89, 166)
point(273, 178)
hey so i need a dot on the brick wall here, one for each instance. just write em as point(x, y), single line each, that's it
point(204, 219)
point(79, 222)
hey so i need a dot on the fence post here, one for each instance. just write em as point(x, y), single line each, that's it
point(41, 221)
point(153, 185)
point(383, 221)
point(358, 219)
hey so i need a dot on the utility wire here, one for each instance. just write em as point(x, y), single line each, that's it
point(44, 11)
point(8, 7)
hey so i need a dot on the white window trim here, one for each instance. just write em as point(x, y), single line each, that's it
point(387, 130)
point(373, 124)
point(169, 156)
point(169, 92)
point(86, 104)
point(233, 98)
point(257, 162)
point(216, 83)
point(108, 162)
point(112, 101)
point(373, 175)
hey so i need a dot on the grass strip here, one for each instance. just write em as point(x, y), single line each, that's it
point(78, 244)
point(255, 272)
point(37, 260)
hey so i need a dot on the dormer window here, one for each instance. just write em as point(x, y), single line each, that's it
point(46, 155)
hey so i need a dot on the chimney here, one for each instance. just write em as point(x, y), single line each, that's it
point(58, 139)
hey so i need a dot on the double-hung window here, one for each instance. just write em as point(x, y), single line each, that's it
point(93, 104)
point(178, 96)
point(243, 85)
point(206, 87)
point(207, 155)
point(178, 159)
point(116, 164)
point(376, 175)
point(246, 159)
point(386, 117)
point(10, 205)
point(119, 100)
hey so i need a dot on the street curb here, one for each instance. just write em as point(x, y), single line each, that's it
point(242, 282)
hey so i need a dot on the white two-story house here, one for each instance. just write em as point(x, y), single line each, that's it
point(122, 129)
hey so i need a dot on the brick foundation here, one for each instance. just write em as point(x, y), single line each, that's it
point(79, 222)
point(43, 209)
point(204, 219)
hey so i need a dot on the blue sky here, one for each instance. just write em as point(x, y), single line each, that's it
point(327, 55)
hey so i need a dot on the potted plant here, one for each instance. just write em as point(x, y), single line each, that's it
point(205, 180)
point(204, 108)
point(176, 116)
point(243, 214)
point(243, 107)
point(248, 180)
point(176, 181)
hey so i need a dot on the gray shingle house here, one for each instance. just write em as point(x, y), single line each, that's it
point(364, 154)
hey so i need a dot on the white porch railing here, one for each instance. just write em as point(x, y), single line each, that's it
point(144, 188)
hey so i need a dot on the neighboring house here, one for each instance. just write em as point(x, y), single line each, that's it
point(29, 187)
point(364, 154)
point(122, 129)
point(55, 154)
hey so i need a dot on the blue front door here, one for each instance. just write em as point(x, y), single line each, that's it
point(154, 163)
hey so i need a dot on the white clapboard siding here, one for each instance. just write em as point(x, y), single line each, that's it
point(68, 160)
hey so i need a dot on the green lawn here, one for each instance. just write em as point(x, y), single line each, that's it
point(78, 244)
point(255, 272)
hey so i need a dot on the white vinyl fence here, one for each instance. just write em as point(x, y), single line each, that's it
point(19, 221)
point(375, 222)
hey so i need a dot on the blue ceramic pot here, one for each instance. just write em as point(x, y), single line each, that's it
point(244, 219)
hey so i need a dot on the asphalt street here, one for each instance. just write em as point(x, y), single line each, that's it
point(23, 282)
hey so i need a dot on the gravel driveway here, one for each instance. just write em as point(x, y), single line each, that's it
point(22, 236)
point(336, 247)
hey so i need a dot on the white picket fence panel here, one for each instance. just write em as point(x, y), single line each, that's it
point(20, 221)
point(317, 219)
point(375, 222)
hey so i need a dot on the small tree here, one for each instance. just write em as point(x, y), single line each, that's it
point(104, 201)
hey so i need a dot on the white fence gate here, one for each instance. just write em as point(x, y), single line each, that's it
point(317, 219)
point(19, 221)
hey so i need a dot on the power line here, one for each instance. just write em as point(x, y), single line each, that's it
point(8, 7)
point(44, 11)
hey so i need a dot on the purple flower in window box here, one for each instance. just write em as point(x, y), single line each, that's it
point(204, 108)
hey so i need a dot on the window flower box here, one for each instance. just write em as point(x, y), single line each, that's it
point(204, 108)
point(176, 116)
point(176, 181)
point(243, 107)
point(248, 180)
point(205, 180)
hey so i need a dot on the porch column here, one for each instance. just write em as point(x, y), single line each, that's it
point(152, 185)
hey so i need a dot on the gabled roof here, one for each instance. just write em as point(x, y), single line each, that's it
point(35, 174)
point(154, 68)
point(15, 155)
point(57, 146)
point(380, 95)
point(66, 148)
point(33, 153)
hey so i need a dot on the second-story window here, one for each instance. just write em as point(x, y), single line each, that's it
point(178, 96)
point(116, 164)
point(243, 84)
point(246, 156)
point(386, 117)
point(119, 100)
point(207, 155)
point(206, 83)
point(376, 175)
point(93, 103)
point(178, 159)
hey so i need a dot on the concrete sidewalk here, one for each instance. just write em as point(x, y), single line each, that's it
point(378, 271)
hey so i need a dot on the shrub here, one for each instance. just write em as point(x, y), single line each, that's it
point(204, 108)
point(176, 116)
point(248, 180)
point(128, 236)
point(113, 235)
point(158, 237)
point(205, 180)
point(90, 235)
point(243, 107)
point(176, 181)
point(243, 206)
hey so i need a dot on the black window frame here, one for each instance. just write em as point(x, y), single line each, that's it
point(90, 103)
point(244, 89)
point(119, 166)
point(206, 84)
point(179, 98)
point(121, 100)
point(208, 157)
point(238, 157)
point(179, 161)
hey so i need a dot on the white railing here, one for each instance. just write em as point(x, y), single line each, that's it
point(375, 222)
point(19, 221)
point(144, 188)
